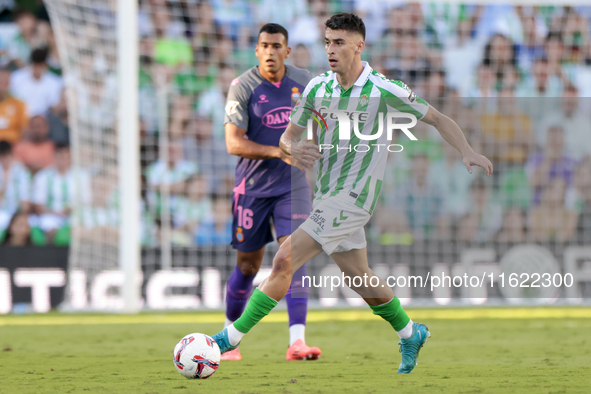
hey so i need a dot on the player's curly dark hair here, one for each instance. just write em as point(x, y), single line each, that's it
point(346, 21)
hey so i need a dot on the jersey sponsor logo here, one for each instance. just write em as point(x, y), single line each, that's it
point(345, 119)
point(277, 118)
point(231, 107)
point(295, 94)
point(300, 216)
point(235, 82)
point(319, 220)
point(263, 99)
point(361, 116)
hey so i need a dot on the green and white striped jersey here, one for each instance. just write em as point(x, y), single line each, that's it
point(185, 211)
point(355, 166)
point(96, 217)
point(15, 189)
point(57, 191)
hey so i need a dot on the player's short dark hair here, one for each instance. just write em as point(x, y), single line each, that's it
point(39, 56)
point(274, 28)
point(5, 148)
point(346, 21)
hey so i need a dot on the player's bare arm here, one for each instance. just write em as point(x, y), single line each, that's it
point(451, 132)
point(303, 151)
point(238, 145)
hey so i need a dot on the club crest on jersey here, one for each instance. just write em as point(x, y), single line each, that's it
point(364, 100)
point(239, 235)
point(295, 95)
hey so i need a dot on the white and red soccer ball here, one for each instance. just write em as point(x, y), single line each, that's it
point(196, 356)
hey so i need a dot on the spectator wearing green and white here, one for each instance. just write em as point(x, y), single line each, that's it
point(191, 209)
point(170, 47)
point(15, 185)
point(484, 215)
point(214, 99)
point(575, 122)
point(540, 83)
point(172, 174)
point(103, 211)
point(21, 45)
point(57, 192)
point(450, 175)
point(282, 13)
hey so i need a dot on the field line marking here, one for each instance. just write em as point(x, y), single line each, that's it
point(313, 316)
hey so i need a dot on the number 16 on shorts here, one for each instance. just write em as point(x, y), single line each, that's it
point(244, 218)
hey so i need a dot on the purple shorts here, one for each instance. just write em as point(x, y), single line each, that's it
point(251, 227)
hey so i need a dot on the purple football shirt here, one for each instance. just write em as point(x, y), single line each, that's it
point(262, 108)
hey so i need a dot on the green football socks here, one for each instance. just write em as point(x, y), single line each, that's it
point(393, 313)
point(259, 306)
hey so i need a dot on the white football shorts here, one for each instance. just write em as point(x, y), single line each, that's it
point(337, 223)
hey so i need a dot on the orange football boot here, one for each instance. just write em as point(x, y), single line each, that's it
point(232, 355)
point(300, 351)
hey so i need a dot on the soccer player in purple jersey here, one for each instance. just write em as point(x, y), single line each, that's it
point(268, 190)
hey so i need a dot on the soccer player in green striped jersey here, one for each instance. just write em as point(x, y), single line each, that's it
point(351, 155)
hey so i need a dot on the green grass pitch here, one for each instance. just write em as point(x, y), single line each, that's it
point(498, 352)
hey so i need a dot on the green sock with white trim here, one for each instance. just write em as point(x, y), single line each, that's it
point(393, 313)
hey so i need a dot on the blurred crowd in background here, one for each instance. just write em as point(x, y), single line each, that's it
point(516, 79)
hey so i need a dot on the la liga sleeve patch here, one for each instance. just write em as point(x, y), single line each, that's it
point(231, 107)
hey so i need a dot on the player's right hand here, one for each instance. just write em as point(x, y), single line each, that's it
point(305, 153)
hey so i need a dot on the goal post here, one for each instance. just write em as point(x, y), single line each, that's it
point(129, 160)
point(98, 43)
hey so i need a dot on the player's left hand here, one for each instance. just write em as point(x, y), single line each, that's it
point(305, 153)
point(474, 159)
point(292, 161)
